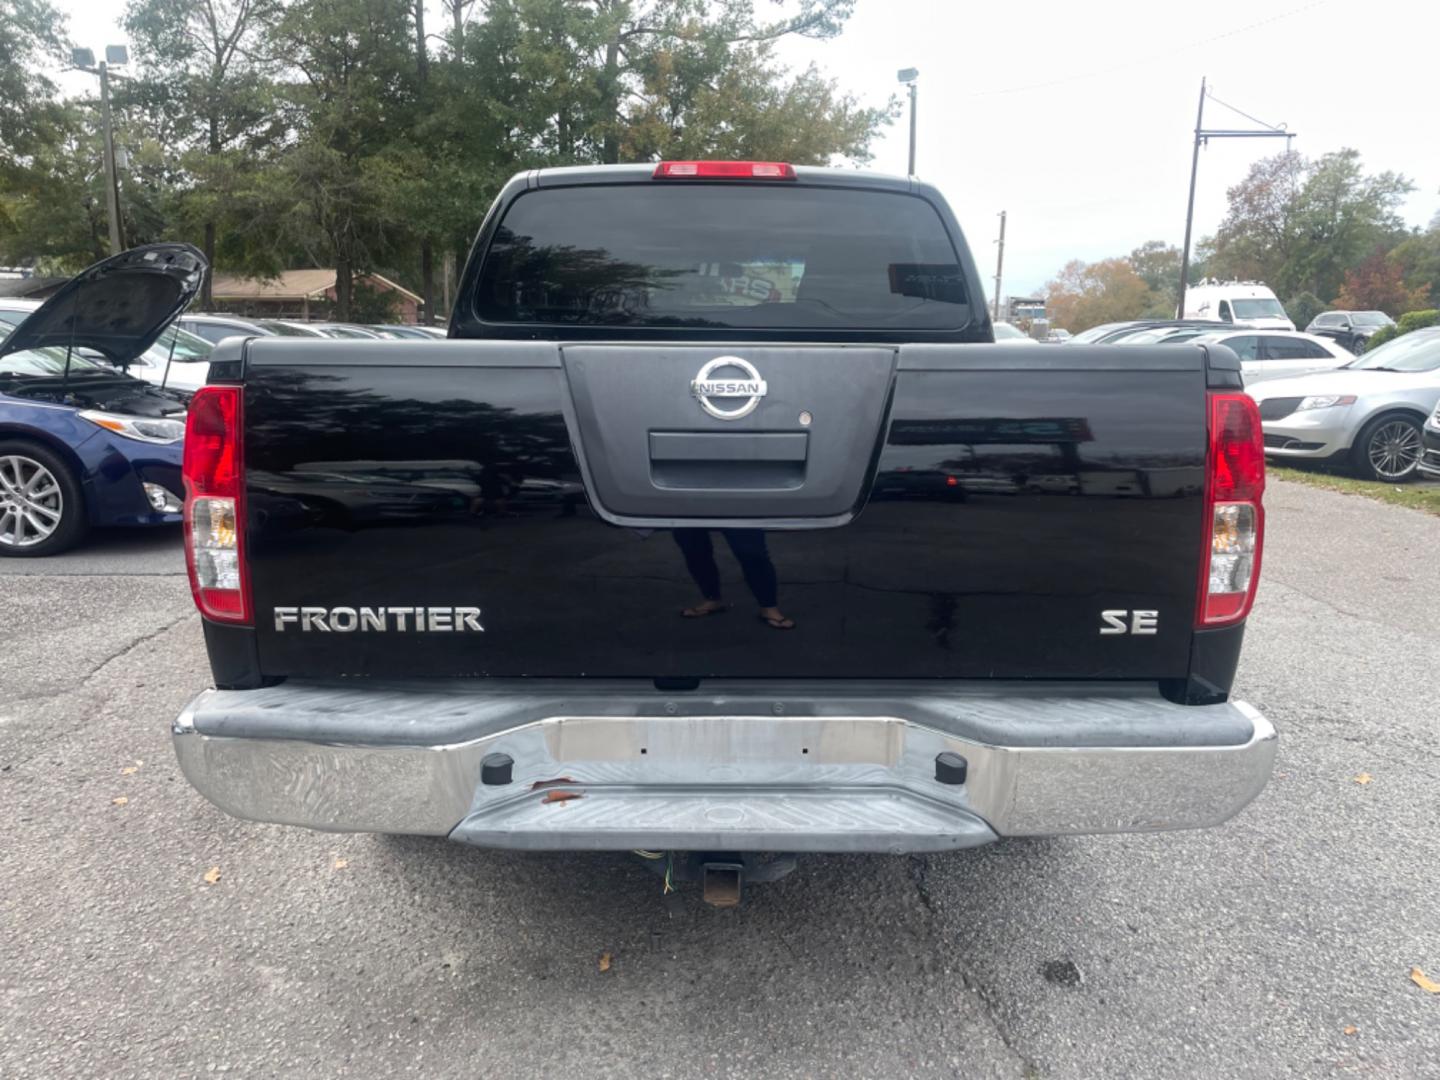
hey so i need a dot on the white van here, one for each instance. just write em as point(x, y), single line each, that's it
point(1236, 302)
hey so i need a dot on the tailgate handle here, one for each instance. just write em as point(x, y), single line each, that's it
point(728, 446)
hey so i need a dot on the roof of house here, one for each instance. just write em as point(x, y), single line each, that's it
point(291, 285)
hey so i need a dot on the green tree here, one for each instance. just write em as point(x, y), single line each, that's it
point(1342, 216)
point(1256, 237)
point(1299, 224)
point(1418, 257)
point(31, 41)
point(603, 81)
point(207, 99)
point(32, 37)
point(337, 189)
point(54, 206)
point(1158, 265)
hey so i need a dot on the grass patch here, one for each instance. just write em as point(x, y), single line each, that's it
point(1417, 496)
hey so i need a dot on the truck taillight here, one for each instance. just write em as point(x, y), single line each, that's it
point(1234, 515)
point(723, 170)
point(215, 505)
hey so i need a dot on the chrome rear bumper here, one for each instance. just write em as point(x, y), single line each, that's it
point(735, 772)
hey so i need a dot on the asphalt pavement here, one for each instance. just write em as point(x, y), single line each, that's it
point(1280, 944)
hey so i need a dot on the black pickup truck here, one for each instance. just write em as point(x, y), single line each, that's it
point(720, 525)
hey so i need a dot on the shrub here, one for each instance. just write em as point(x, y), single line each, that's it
point(1418, 320)
point(1384, 334)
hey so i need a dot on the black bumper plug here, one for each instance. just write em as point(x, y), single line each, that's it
point(497, 769)
point(950, 767)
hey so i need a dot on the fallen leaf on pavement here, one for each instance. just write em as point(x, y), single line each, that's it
point(1430, 986)
point(1363, 778)
point(340, 864)
point(604, 961)
point(120, 800)
point(212, 875)
point(129, 770)
point(560, 796)
point(1351, 1029)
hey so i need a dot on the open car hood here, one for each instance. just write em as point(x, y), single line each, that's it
point(119, 306)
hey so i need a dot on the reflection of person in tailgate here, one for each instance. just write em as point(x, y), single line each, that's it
point(748, 547)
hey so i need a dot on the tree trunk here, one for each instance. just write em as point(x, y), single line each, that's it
point(610, 153)
point(447, 284)
point(456, 7)
point(344, 284)
point(427, 251)
point(422, 55)
point(207, 290)
point(427, 281)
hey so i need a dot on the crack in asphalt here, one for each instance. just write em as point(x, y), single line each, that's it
point(1330, 605)
point(100, 665)
point(918, 868)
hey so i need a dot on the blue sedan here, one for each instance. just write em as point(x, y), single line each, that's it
point(83, 448)
point(82, 444)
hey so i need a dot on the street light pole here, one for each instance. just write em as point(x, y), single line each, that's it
point(84, 60)
point(112, 183)
point(909, 77)
point(912, 129)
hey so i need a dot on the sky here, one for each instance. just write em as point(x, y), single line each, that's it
point(1078, 119)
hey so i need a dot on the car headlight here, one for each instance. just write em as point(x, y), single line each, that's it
point(141, 428)
point(1325, 401)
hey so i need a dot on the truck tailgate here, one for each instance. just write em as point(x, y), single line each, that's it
point(956, 511)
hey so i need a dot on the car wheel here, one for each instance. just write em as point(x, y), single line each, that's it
point(1389, 449)
point(1357, 345)
point(42, 509)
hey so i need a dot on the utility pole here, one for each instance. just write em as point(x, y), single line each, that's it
point(909, 76)
point(112, 182)
point(1203, 136)
point(84, 60)
point(999, 264)
point(1190, 206)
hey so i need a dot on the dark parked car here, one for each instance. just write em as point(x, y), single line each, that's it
point(1352, 329)
point(1430, 446)
point(81, 443)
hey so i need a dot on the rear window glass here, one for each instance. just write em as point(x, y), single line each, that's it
point(736, 256)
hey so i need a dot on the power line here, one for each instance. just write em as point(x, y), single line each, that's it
point(1241, 112)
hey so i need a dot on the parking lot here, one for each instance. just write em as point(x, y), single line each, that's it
point(1279, 944)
